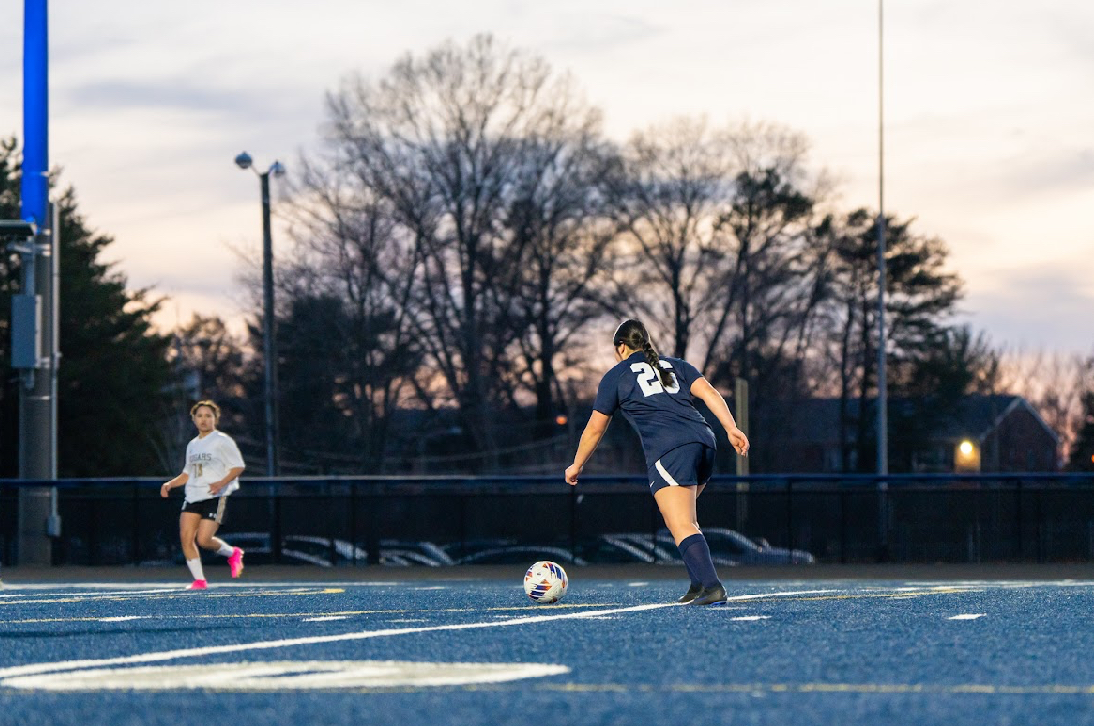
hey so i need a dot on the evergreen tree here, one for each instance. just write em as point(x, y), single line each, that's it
point(114, 375)
point(921, 295)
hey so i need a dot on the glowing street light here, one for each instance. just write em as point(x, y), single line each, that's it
point(967, 457)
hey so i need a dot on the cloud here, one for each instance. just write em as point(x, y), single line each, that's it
point(1042, 307)
point(1062, 169)
point(597, 33)
point(171, 94)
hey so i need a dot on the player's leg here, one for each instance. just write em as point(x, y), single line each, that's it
point(207, 538)
point(677, 508)
point(188, 530)
point(677, 505)
point(696, 586)
point(704, 468)
point(675, 484)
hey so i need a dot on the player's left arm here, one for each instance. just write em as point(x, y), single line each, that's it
point(590, 438)
point(233, 474)
point(709, 395)
point(231, 456)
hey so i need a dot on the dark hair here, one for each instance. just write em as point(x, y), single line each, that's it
point(634, 335)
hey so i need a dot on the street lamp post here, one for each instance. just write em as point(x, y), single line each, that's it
point(882, 373)
point(269, 329)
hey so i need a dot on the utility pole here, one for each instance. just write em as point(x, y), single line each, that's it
point(269, 333)
point(34, 337)
point(882, 371)
point(740, 402)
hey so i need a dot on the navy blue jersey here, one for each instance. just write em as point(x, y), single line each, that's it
point(664, 418)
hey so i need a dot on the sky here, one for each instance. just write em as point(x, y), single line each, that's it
point(989, 118)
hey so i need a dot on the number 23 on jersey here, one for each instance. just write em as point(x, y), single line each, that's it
point(650, 382)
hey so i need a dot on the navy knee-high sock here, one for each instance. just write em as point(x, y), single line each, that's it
point(696, 556)
point(694, 580)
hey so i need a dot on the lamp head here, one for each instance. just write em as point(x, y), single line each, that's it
point(17, 228)
point(243, 160)
point(277, 169)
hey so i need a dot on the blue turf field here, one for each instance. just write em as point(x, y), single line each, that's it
point(478, 652)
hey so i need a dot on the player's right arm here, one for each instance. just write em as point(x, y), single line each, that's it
point(590, 438)
point(178, 481)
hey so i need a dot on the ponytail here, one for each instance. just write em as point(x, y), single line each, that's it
point(655, 362)
point(634, 335)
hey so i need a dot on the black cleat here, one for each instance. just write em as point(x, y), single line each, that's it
point(710, 595)
point(692, 593)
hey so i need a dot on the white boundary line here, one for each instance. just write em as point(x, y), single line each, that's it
point(181, 585)
point(265, 645)
point(34, 668)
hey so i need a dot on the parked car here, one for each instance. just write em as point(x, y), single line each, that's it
point(509, 552)
point(310, 550)
point(730, 547)
point(727, 547)
point(623, 548)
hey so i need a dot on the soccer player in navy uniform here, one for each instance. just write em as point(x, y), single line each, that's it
point(655, 394)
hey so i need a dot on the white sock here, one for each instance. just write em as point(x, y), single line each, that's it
point(225, 549)
point(195, 568)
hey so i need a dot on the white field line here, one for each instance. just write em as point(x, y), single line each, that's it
point(315, 640)
point(325, 618)
point(124, 618)
point(121, 586)
point(33, 668)
point(132, 588)
point(107, 594)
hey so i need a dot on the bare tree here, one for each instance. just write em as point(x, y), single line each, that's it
point(557, 220)
point(674, 185)
point(1054, 383)
point(715, 237)
point(444, 140)
point(348, 329)
point(208, 361)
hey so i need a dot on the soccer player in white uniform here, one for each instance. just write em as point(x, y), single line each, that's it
point(213, 466)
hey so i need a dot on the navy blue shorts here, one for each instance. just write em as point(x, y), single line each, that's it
point(685, 466)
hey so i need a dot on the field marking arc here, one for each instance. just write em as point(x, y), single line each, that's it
point(35, 668)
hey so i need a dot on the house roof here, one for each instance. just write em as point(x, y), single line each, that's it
point(816, 420)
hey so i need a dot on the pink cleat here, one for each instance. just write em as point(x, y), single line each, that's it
point(236, 561)
point(198, 585)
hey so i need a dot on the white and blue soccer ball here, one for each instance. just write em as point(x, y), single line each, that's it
point(546, 582)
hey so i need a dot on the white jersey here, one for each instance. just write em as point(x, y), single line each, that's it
point(208, 460)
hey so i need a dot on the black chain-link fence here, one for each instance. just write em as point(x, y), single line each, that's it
point(434, 521)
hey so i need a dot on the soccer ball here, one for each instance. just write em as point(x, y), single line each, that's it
point(546, 582)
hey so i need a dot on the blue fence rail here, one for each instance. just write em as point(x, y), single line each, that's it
point(433, 520)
